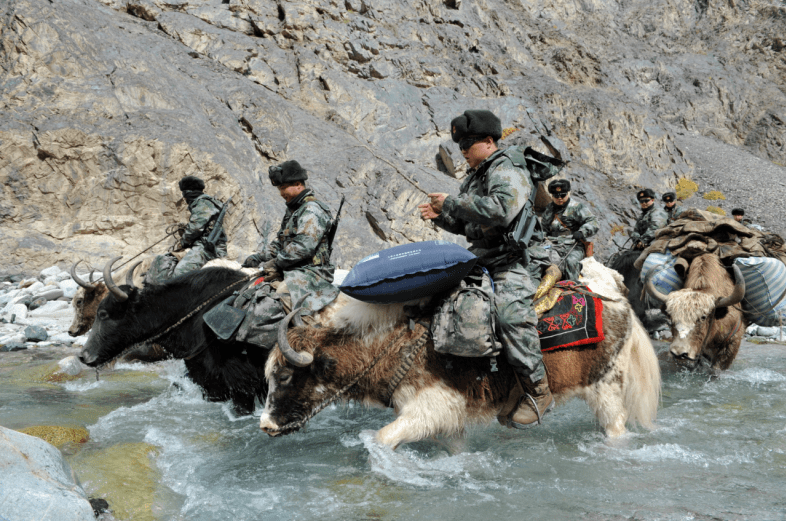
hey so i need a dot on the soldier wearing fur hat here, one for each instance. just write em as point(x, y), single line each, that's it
point(650, 221)
point(670, 206)
point(568, 224)
point(739, 216)
point(300, 254)
point(489, 200)
point(204, 212)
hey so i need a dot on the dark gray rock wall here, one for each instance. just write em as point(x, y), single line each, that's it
point(106, 105)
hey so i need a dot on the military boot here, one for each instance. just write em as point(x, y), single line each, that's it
point(537, 401)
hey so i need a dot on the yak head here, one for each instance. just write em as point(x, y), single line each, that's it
point(299, 380)
point(109, 336)
point(694, 313)
point(85, 303)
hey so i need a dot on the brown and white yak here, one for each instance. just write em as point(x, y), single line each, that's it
point(619, 377)
point(707, 320)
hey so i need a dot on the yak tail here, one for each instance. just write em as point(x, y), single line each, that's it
point(641, 390)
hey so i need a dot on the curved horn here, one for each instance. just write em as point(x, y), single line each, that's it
point(652, 290)
point(130, 274)
point(737, 294)
point(80, 281)
point(92, 271)
point(119, 294)
point(292, 356)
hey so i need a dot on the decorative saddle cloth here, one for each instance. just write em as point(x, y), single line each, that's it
point(574, 320)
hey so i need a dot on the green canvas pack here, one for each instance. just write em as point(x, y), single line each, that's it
point(464, 321)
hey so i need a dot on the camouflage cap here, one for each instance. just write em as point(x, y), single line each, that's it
point(191, 182)
point(643, 194)
point(669, 197)
point(559, 186)
point(480, 123)
point(287, 172)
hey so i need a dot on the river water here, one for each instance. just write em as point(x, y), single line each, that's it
point(157, 451)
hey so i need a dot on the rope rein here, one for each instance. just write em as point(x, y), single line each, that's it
point(300, 423)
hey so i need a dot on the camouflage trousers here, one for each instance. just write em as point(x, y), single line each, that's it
point(570, 260)
point(194, 260)
point(514, 288)
point(166, 266)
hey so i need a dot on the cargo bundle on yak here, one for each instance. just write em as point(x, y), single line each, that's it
point(711, 312)
point(385, 355)
point(171, 314)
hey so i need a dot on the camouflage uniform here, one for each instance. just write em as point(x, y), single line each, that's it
point(673, 213)
point(204, 211)
point(488, 202)
point(302, 254)
point(577, 218)
point(651, 220)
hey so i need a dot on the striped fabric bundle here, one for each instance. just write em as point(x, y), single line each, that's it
point(765, 282)
point(665, 278)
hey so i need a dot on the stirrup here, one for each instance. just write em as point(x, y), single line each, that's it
point(515, 425)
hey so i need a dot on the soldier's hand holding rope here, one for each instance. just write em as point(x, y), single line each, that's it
point(433, 208)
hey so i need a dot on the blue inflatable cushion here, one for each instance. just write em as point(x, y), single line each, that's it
point(408, 272)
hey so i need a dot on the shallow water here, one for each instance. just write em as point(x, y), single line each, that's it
point(157, 451)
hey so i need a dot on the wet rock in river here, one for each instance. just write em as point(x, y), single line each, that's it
point(35, 334)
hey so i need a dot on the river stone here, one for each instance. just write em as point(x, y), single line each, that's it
point(62, 338)
point(50, 307)
point(69, 288)
point(71, 365)
point(51, 271)
point(36, 303)
point(37, 482)
point(36, 334)
point(13, 346)
point(52, 293)
point(768, 332)
point(33, 288)
point(17, 312)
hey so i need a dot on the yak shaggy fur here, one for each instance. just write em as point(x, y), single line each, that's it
point(619, 377)
point(691, 307)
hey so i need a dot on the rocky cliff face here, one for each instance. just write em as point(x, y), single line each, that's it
point(104, 106)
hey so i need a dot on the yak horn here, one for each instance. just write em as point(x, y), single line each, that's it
point(737, 294)
point(130, 275)
point(119, 294)
point(79, 281)
point(652, 290)
point(292, 356)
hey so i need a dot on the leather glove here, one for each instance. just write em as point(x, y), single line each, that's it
point(577, 235)
point(271, 271)
point(253, 261)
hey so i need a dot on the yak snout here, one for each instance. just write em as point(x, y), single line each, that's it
point(87, 358)
point(268, 426)
point(681, 350)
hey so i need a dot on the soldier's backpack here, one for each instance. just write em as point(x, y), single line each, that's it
point(464, 321)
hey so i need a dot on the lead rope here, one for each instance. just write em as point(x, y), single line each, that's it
point(300, 423)
point(176, 324)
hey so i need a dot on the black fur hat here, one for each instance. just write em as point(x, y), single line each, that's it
point(191, 182)
point(287, 172)
point(738, 211)
point(643, 194)
point(669, 197)
point(480, 123)
point(560, 186)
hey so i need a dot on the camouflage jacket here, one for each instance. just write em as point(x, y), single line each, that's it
point(651, 220)
point(302, 254)
point(575, 215)
point(674, 212)
point(204, 212)
point(489, 200)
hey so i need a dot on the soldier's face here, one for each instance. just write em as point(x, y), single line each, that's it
point(646, 202)
point(290, 190)
point(479, 151)
point(671, 204)
point(738, 218)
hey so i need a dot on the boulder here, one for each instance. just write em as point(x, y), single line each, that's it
point(69, 288)
point(71, 365)
point(35, 334)
point(50, 293)
point(17, 312)
point(51, 271)
point(38, 483)
point(13, 346)
point(50, 307)
point(36, 303)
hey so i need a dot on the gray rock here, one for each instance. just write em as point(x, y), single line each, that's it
point(17, 312)
point(71, 365)
point(51, 307)
point(36, 303)
point(13, 346)
point(51, 271)
point(50, 293)
point(38, 483)
point(33, 288)
point(69, 288)
point(35, 334)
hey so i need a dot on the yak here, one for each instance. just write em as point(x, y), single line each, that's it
point(170, 314)
point(647, 312)
point(707, 320)
point(368, 353)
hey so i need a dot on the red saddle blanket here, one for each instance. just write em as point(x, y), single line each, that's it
point(576, 319)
